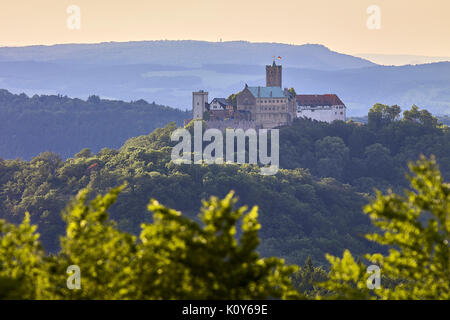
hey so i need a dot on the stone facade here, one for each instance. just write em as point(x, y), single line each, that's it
point(269, 106)
point(274, 75)
point(233, 124)
point(199, 102)
point(325, 107)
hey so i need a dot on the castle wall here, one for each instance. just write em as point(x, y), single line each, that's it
point(325, 113)
point(274, 76)
point(233, 124)
point(245, 100)
point(199, 100)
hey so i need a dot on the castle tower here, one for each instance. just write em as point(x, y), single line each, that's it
point(199, 101)
point(273, 75)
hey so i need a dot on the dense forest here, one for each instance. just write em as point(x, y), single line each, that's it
point(313, 206)
point(367, 156)
point(30, 125)
point(302, 216)
point(176, 257)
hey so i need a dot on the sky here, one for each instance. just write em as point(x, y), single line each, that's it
point(413, 27)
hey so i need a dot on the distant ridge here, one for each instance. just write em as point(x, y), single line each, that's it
point(186, 52)
point(169, 71)
point(401, 59)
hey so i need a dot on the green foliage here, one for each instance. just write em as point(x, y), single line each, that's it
point(176, 258)
point(382, 114)
point(367, 156)
point(416, 228)
point(233, 99)
point(302, 216)
point(21, 256)
point(292, 91)
point(421, 116)
point(208, 262)
point(215, 256)
point(307, 278)
point(305, 212)
point(332, 154)
point(31, 125)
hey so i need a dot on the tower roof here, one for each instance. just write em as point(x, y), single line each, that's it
point(314, 100)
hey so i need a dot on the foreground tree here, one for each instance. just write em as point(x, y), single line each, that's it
point(416, 227)
point(176, 258)
point(306, 280)
point(21, 256)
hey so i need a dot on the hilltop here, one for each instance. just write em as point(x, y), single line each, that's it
point(169, 71)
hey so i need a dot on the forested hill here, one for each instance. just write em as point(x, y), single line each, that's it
point(300, 216)
point(367, 156)
point(310, 207)
point(31, 125)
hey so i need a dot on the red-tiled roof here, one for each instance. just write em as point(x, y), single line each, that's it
point(315, 100)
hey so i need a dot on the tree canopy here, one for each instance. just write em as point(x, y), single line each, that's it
point(416, 228)
point(175, 257)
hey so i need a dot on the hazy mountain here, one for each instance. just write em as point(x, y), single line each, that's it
point(186, 53)
point(400, 59)
point(168, 71)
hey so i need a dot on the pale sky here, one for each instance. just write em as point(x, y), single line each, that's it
point(415, 27)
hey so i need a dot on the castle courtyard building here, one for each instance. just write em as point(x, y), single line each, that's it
point(324, 107)
point(267, 107)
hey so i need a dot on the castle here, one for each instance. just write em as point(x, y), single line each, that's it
point(266, 107)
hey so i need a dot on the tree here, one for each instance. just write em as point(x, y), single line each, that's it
point(382, 114)
point(379, 161)
point(416, 228)
point(21, 256)
point(84, 153)
point(332, 154)
point(94, 99)
point(208, 262)
point(306, 279)
point(423, 117)
point(232, 98)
